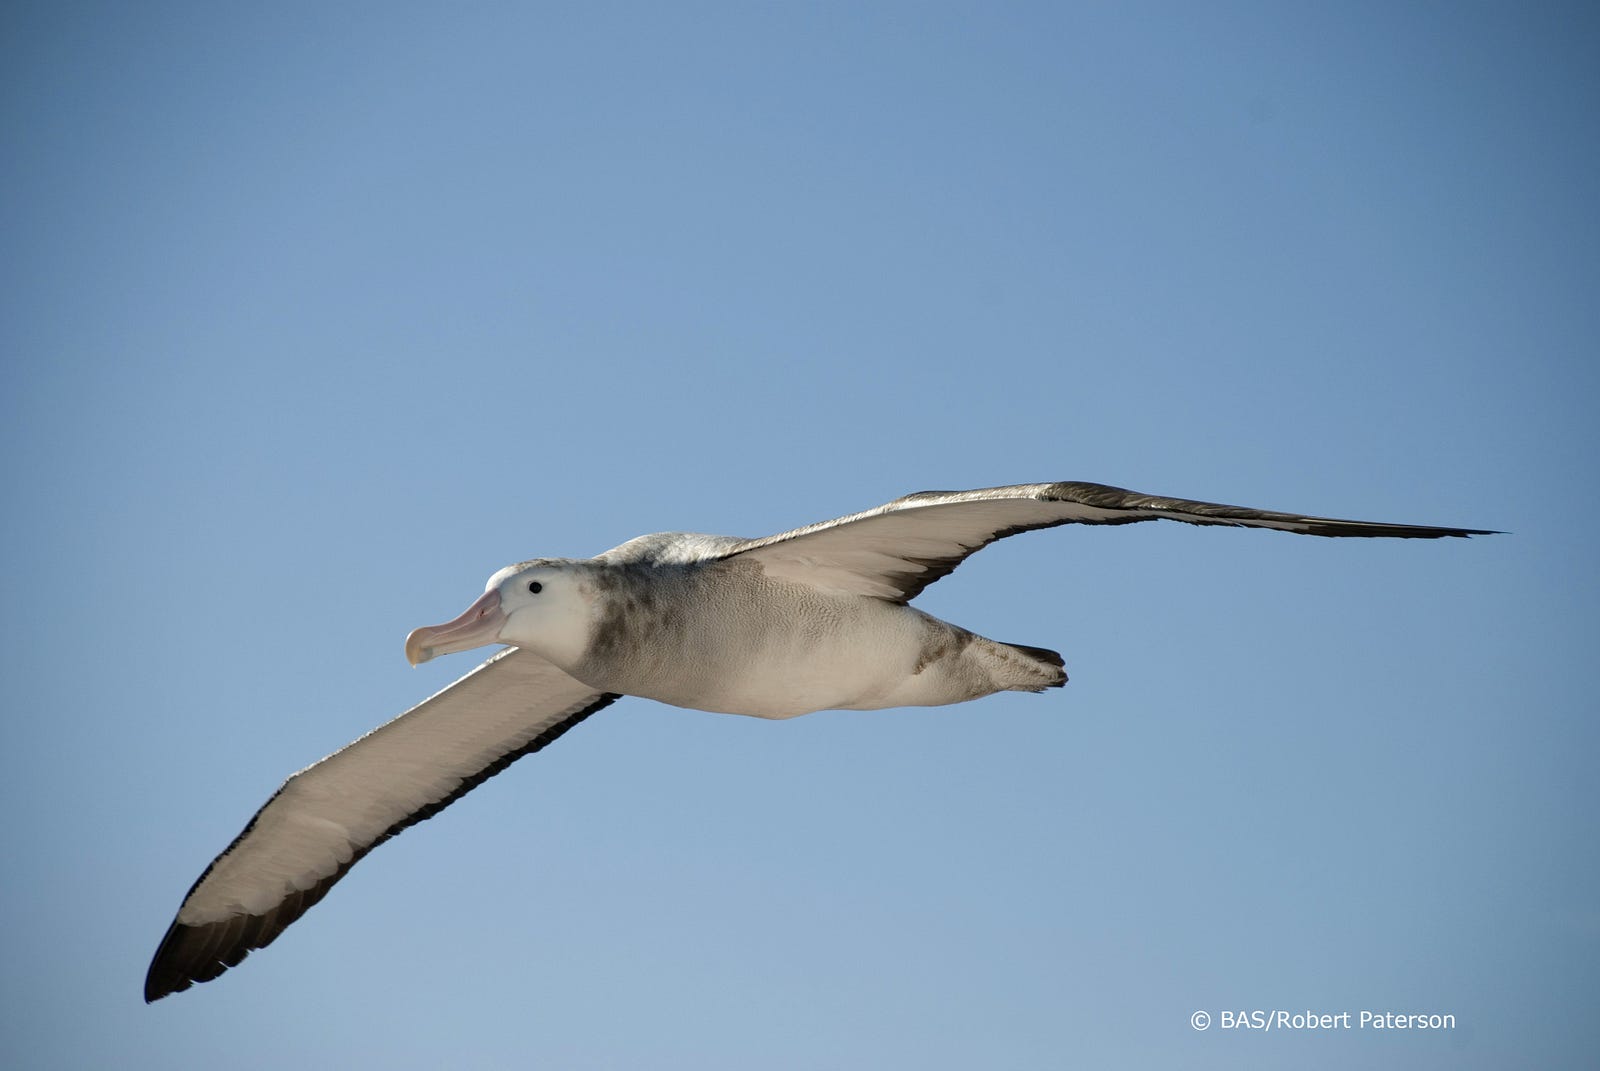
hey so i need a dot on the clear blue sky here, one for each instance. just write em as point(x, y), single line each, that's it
point(315, 315)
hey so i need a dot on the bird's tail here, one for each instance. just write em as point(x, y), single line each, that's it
point(1027, 669)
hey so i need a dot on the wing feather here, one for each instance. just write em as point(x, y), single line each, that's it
point(895, 551)
point(327, 816)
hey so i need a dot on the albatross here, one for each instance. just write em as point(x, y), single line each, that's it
point(817, 618)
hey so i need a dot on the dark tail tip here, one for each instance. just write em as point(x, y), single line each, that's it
point(1047, 657)
point(1040, 654)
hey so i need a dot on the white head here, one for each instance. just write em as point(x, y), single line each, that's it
point(543, 605)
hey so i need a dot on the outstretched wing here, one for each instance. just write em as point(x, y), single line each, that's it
point(896, 550)
point(329, 815)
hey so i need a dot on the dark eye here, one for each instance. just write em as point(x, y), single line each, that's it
point(535, 587)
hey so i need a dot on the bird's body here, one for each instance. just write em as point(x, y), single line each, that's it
point(720, 635)
point(812, 619)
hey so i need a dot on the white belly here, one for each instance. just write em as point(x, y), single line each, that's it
point(735, 641)
point(746, 644)
point(822, 661)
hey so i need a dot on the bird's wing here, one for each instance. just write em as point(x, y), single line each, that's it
point(896, 550)
point(329, 815)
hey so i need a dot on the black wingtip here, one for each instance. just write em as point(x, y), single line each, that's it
point(1462, 532)
point(1360, 529)
point(190, 954)
point(165, 977)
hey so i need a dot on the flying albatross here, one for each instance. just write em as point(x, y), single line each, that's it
point(813, 619)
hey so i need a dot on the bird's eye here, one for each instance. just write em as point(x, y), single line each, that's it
point(535, 587)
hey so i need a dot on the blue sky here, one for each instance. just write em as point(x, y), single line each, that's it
point(316, 315)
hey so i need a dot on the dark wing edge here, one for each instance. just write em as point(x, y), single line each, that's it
point(190, 954)
point(1153, 507)
point(1081, 503)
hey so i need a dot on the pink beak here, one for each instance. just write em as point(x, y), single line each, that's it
point(481, 624)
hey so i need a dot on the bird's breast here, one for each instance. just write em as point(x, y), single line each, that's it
point(727, 638)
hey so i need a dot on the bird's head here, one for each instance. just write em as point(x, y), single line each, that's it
point(541, 605)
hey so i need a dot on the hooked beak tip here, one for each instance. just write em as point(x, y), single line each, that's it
point(416, 651)
point(480, 624)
